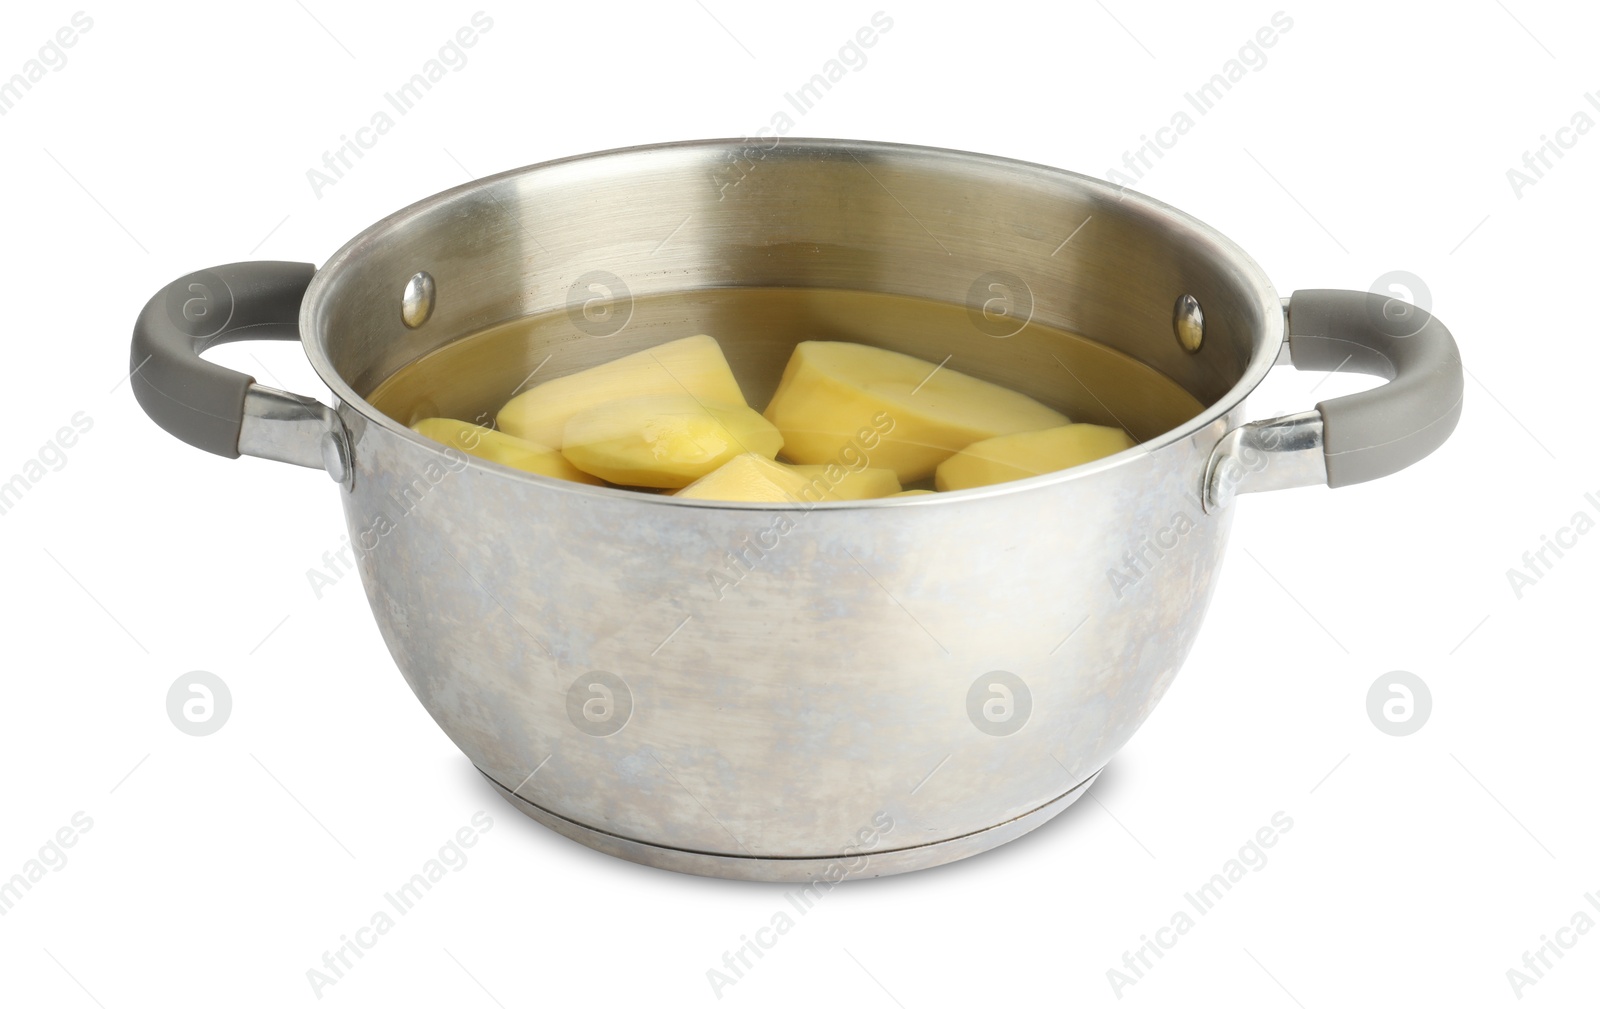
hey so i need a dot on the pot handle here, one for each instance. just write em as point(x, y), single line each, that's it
point(215, 408)
point(1358, 437)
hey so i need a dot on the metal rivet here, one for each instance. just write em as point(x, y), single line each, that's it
point(1188, 323)
point(416, 304)
point(335, 457)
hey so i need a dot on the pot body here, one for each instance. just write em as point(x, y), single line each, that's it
point(757, 690)
point(771, 684)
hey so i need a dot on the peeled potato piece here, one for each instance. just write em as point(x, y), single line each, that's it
point(755, 478)
point(497, 446)
point(664, 441)
point(693, 366)
point(840, 484)
point(833, 393)
point(751, 477)
point(1015, 456)
point(911, 493)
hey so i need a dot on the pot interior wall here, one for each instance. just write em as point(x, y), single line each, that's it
point(1071, 253)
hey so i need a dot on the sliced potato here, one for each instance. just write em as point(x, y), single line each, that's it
point(904, 413)
point(755, 478)
point(693, 366)
point(1015, 456)
point(751, 477)
point(664, 441)
point(840, 484)
point(497, 446)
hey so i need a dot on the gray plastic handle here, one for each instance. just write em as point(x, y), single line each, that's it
point(189, 397)
point(1358, 437)
point(1371, 434)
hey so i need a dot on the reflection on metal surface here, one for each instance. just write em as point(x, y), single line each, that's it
point(1266, 455)
point(858, 862)
point(416, 301)
point(1189, 323)
point(295, 429)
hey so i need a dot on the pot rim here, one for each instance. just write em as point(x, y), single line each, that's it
point(1223, 250)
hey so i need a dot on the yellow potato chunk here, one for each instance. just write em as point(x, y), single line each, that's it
point(1015, 456)
point(911, 493)
point(832, 394)
point(693, 366)
point(751, 477)
point(497, 446)
point(838, 483)
point(664, 441)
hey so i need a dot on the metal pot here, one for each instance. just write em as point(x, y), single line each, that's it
point(897, 683)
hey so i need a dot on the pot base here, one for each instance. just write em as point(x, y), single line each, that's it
point(797, 869)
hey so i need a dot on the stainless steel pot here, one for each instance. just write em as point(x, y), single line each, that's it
point(895, 683)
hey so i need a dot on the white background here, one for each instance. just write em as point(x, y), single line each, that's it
point(218, 869)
